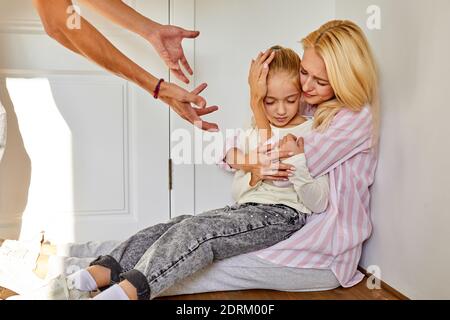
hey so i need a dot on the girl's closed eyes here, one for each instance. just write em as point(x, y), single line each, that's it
point(282, 102)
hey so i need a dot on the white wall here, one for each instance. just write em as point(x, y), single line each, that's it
point(410, 197)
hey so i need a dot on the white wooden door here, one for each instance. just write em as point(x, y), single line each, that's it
point(87, 153)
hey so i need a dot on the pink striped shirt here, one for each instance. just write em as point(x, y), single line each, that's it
point(333, 239)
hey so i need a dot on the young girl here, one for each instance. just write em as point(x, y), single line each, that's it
point(280, 123)
point(264, 214)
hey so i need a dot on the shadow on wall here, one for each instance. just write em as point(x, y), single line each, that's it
point(15, 173)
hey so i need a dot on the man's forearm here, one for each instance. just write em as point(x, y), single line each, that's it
point(90, 43)
point(123, 15)
point(94, 46)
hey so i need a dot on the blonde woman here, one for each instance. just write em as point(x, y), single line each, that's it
point(340, 87)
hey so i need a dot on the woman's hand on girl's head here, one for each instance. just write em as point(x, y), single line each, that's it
point(257, 78)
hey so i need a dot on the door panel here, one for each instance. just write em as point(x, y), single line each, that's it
point(97, 145)
point(182, 199)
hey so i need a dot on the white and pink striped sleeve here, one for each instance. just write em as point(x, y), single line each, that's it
point(349, 133)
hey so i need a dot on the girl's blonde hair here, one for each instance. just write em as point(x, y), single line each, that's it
point(285, 61)
point(288, 61)
point(351, 70)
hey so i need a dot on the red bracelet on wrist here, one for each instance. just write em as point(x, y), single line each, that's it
point(158, 87)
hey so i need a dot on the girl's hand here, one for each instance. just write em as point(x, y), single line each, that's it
point(257, 78)
point(264, 164)
point(291, 144)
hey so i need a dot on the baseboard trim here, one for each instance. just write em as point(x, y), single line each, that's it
point(385, 286)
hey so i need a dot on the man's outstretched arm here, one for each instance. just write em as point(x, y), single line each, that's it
point(166, 39)
point(90, 43)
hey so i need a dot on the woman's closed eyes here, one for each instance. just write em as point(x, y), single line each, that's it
point(318, 81)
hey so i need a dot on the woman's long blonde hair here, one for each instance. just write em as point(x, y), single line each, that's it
point(351, 70)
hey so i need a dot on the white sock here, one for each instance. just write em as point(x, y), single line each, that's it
point(83, 281)
point(113, 293)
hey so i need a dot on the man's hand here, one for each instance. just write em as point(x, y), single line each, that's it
point(180, 101)
point(93, 45)
point(166, 40)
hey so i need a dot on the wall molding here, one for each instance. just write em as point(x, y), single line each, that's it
point(21, 26)
point(90, 78)
point(42, 73)
point(34, 26)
